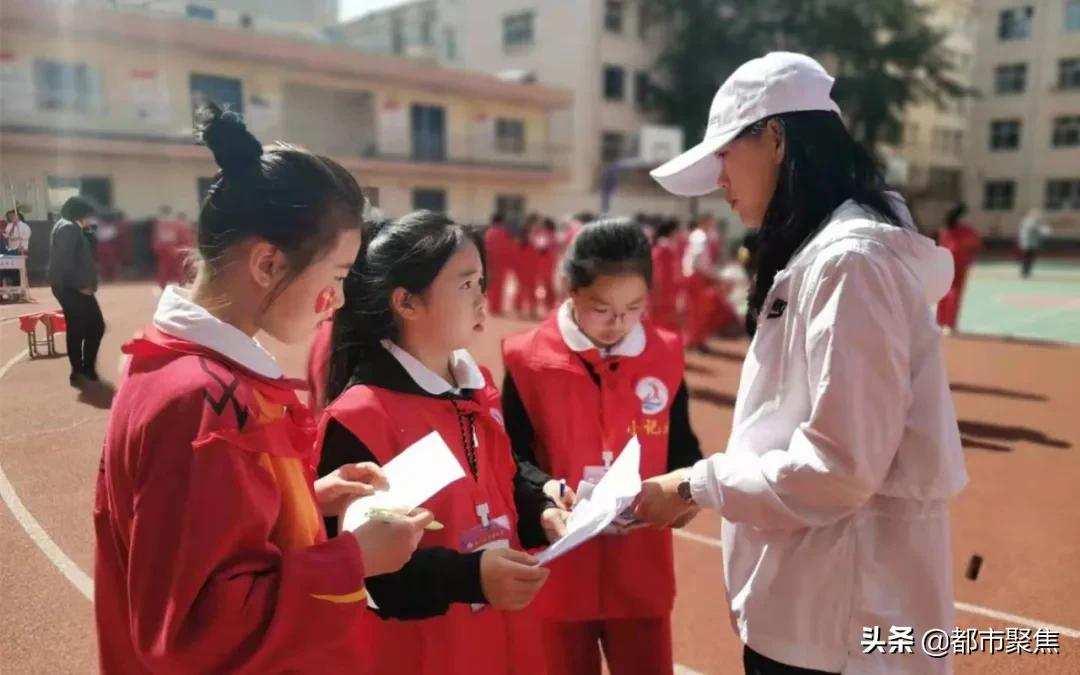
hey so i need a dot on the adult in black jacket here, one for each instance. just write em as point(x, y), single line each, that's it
point(74, 280)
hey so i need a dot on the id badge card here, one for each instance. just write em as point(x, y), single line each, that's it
point(494, 535)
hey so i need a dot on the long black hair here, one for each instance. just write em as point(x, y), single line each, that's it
point(287, 196)
point(608, 247)
point(823, 167)
point(406, 253)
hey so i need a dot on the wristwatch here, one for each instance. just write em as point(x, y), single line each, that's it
point(684, 492)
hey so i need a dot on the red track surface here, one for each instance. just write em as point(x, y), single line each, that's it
point(1020, 511)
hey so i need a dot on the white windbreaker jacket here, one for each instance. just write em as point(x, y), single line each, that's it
point(843, 455)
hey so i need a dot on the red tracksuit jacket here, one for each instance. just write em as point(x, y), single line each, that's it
point(210, 552)
point(573, 406)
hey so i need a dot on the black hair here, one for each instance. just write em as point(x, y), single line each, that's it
point(952, 218)
point(498, 218)
point(549, 224)
point(667, 227)
point(823, 167)
point(608, 247)
point(406, 253)
point(77, 208)
point(298, 201)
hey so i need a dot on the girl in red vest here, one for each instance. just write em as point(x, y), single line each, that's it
point(210, 552)
point(499, 245)
point(964, 243)
point(413, 302)
point(577, 388)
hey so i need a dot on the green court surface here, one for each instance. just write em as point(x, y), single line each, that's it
point(1045, 306)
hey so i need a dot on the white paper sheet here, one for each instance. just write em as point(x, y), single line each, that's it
point(614, 494)
point(415, 476)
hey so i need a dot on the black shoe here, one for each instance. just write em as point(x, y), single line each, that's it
point(92, 376)
point(77, 380)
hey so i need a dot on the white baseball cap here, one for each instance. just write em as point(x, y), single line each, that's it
point(779, 82)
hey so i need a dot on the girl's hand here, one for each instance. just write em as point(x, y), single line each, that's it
point(348, 482)
point(554, 523)
point(510, 579)
point(560, 493)
point(386, 545)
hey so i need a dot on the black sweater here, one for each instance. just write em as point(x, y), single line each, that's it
point(434, 577)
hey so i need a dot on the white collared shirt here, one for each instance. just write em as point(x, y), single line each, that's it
point(633, 344)
point(178, 316)
point(464, 369)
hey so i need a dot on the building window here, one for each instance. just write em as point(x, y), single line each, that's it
point(999, 195)
point(98, 189)
point(397, 35)
point(510, 136)
point(426, 24)
point(1066, 132)
point(428, 133)
point(646, 17)
point(1005, 134)
point(201, 12)
point(432, 199)
point(1069, 73)
point(512, 207)
point(67, 87)
point(611, 146)
point(911, 134)
point(1010, 78)
point(518, 30)
point(1015, 23)
point(1063, 194)
point(614, 83)
point(1072, 15)
point(450, 37)
point(613, 16)
point(227, 92)
point(946, 182)
point(642, 90)
point(947, 140)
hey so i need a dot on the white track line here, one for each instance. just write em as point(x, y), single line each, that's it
point(967, 607)
point(79, 579)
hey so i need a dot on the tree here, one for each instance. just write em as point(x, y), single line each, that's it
point(884, 54)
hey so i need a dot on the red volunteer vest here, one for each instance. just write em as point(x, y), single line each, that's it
point(481, 642)
point(614, 576)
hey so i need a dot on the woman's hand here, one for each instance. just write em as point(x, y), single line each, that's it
point(334, 491)
point(659, 502)
point(510, 579)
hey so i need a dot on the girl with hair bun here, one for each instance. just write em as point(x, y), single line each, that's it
point(210, 550)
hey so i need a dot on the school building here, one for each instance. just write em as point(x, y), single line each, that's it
point(99, 101)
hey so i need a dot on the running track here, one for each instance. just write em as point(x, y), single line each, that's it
point(1019, 513)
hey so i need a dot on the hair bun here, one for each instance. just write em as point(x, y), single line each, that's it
point(223, 131)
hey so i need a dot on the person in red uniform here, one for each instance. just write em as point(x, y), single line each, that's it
point(526, 264)
point(545, 245)
point(499, 244)
point(577, 388)
point(667, 277)
point(413, 302)
point(210, 554)
point(964, 243)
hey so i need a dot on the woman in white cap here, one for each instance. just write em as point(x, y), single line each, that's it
point(844, 452)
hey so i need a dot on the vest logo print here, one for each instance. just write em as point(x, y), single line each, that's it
point(653, 394)
point(777, 309)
